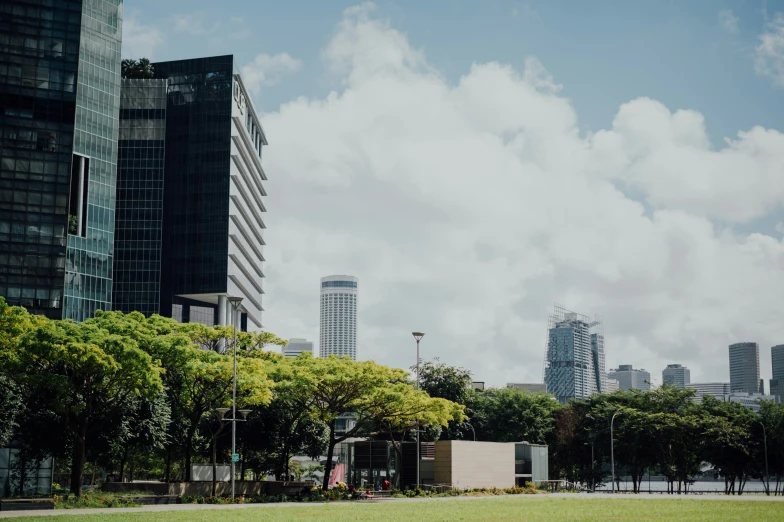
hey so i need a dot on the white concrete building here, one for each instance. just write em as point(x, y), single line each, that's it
point(676, 375)
point(714, 389)
point(297, 347)
point(338, 335)
point(630, 378)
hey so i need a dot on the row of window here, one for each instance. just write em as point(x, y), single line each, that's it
point(339, 284)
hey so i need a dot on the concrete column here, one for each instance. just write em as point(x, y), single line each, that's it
point(223, 303)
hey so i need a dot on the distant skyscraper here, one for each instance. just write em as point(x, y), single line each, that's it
point(777, 381)
point(599, 369)
point(573, 356)
point(338, 334)
point(297, 347)
point(676, 375)
point(630, 379)
point(745, 368)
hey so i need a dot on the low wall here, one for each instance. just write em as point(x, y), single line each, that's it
point(204, 488)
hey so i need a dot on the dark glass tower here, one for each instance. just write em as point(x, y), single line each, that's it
point(59, 97)
point(139, 213)
point(211, 235)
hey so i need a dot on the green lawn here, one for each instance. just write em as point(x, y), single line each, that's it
point(539, 508)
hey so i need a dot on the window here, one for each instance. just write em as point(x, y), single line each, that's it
point(77, 209)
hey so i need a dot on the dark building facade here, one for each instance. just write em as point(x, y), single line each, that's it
point(59, 99)
point(139, 211)
point(211, 233)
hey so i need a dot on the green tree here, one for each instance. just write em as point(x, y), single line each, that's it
point(510, 415)
point(334, 386)
point(399, 408)
point(137, 69)
point(454, 384)
point(83, 368)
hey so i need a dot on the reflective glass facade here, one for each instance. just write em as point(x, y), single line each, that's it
point(196, 186)
point(213, 188)
point(88, 278)
point(59, 86)
point(139, 211)
point(574, 357)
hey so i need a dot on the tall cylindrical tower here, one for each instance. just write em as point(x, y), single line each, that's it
point(338, 316)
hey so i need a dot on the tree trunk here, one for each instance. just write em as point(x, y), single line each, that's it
point(122, 464)
point(167, 472)
point(132, 470)
point(214, 464)
point(188, 451)
point(22, 472)
point(77, 460)
point(330, 452)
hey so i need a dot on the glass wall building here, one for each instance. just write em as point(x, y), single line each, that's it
point(212, 229)
point(139, 212)
point(574, 356)
point(744, 368)
point(777, 380)
point(338, 335)
point(59, 101)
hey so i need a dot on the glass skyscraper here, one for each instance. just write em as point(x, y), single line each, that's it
point(59, 101)
point(777, 367)
point(574, 356)
point(191, 232)
point(745, 368)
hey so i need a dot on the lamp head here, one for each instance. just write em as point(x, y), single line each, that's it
point(244, 413)
point(221, 412)
point(235, 302)
point(418, 335)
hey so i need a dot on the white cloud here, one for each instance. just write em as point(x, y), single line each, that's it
point(467, 209)
point(268, 69)
point(780, 227)
point(770, 52)
point(139, 40)
point(195, 24)
point(728, 21)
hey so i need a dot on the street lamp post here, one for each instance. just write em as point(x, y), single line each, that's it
point(235, 305)
point(767, 474)
point(612, 451)
point(418, 336)
point(593, 462)
point(221, 417)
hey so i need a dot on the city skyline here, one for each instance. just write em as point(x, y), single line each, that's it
point(474, 171)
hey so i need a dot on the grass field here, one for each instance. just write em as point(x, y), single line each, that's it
point(524, 508)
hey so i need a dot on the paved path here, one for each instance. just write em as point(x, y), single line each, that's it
point(191, 507)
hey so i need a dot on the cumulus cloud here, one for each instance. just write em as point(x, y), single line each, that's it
point(268, 69)
point(728, 21)
point(140, 40)
point(466, 209)
point(770, 51)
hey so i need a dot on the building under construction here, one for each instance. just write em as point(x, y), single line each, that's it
point(574, 366)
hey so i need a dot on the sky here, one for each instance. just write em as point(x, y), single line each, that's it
point(475, 162)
